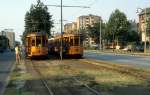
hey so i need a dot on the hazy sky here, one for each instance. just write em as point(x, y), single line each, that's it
point(12, 12)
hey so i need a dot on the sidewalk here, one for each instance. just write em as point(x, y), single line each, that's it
point(16, 80)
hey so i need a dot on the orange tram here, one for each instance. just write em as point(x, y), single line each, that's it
point(36, 44)
point(71, 45)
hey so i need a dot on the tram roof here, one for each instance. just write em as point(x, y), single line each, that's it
point(36, 34)
point(66, 35)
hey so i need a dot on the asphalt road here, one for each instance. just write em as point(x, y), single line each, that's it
point(136, 61)
point(6, 62)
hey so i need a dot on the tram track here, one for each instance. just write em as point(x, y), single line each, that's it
point(79, 77)
point(119, 68)
point(70, 90)
point(43, 82)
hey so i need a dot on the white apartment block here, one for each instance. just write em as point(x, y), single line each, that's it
point(87, 20)
point(144, 18)
point(70, 27)
point(82, 22)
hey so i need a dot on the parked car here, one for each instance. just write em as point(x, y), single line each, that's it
point(139, 48)
point(127, 49)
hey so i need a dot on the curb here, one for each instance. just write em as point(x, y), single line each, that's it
point(6, 82)
point(9, 76)
point(117, 53)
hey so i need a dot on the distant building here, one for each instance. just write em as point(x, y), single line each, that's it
point(82, 22)
point(144, 17)
point(70, 27)
point(10, 35)
point(87, 20)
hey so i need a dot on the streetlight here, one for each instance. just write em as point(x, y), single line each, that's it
point(145, 21)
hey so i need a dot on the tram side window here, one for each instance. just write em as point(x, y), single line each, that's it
point(76, 41)
point(67, 41)
point(71, 42)
point(44, 42)
point(64, 42)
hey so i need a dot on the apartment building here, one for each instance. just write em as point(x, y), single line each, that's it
point(87, 20)
point(144, 17)
point(82, 22)
point(70, 27)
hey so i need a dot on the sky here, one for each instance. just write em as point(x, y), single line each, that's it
point(12, 12)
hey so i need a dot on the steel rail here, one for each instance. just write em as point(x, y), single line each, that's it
point(91, 89)
point(74, 78)
point(43, 81)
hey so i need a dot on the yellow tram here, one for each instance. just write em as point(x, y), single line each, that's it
point(36, 44)
point(71, 45)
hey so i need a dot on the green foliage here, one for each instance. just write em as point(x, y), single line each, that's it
point(94, 31)
point(132, 36)
point(38, 19)
point(84, 34)
point(117, 27)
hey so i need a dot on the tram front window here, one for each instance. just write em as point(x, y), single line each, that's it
point(38, 41)
point(33, 42)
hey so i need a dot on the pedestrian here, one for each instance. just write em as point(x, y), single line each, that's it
point(17, 51)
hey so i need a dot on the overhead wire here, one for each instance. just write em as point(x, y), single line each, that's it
point(90, 5)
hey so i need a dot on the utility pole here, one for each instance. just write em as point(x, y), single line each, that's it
point(61, 53)
point(100, 35)
point(145, 45)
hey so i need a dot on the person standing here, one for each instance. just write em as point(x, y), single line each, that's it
point(23, 52)
point(17, 52)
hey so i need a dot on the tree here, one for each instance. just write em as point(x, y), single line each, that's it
point(38, 19)
point(132, 36)
point(94, 31)
point(117, 27)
